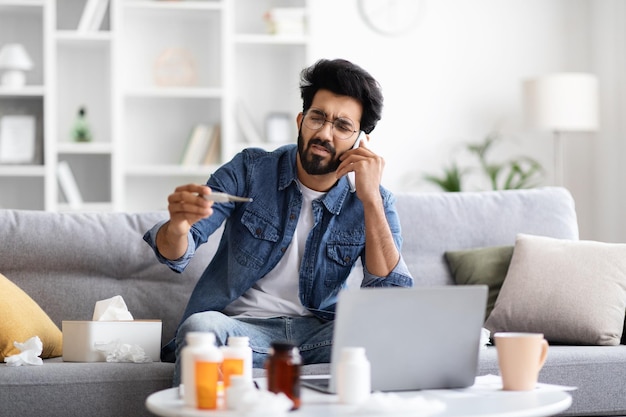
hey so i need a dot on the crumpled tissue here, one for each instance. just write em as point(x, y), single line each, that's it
point(116, 351)
point(256, 402)
point(390, 403)
point(113, 308)
point(30, 351)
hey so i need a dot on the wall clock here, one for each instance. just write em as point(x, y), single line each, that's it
point(391, 17)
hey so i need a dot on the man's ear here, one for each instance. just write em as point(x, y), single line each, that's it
point(299, 120)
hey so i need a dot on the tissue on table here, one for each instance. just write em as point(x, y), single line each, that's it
point(29, 353)
point(262, 403)
point(388, 403)
point(113, 334)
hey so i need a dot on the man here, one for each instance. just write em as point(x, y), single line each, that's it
point(284, 257)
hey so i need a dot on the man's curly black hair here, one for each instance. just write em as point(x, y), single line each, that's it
point(344, 78)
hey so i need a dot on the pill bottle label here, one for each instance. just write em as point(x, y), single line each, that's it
point(232, 366)
point(207, 374)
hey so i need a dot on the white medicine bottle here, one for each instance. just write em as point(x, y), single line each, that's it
point(197, 343)
point(353, 376)
point(237, 359)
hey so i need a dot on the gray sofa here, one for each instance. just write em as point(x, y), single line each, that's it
point(67, 262)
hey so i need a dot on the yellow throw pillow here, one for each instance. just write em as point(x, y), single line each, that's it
point(22, 318)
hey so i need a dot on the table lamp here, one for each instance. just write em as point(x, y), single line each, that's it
point(14, 60)
point(564, 102)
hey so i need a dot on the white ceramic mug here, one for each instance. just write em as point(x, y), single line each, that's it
point(520, 358)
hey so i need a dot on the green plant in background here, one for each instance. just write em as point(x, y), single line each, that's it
point(450, 180)
point(518, 173)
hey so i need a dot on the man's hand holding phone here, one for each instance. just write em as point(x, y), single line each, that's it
point(363, 168)
point(357, 143)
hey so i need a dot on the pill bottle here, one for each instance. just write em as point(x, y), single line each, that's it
point(237, 359)
point(196, 343)
point(208, 362)
point(353, 376)
point(283, 371)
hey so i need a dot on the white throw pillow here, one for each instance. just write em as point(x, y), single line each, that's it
point(573, 292)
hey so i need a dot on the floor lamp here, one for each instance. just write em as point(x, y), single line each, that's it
point(559, 103)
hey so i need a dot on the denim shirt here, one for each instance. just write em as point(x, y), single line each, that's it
point(256, 235)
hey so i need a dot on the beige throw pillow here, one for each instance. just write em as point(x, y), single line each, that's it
point(571, 291)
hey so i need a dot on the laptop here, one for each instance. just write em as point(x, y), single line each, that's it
point(414, 338)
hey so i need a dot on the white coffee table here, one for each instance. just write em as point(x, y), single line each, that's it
point(480, 400)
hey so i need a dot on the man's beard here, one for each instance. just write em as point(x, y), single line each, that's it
point(315, 164)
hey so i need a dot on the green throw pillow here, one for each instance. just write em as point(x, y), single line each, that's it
point(486, 266)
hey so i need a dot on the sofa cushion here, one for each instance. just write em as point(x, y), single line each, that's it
point(433, 223)
point(486, 266)
point(22, 318)
point(572, 291)
point(81, 389)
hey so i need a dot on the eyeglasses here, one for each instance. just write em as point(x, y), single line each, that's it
point(343, 128)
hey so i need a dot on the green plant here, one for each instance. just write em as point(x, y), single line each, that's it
point(517, 173)
point(451, 180)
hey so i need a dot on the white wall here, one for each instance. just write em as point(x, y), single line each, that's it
point(457, 76)
point(606, 199)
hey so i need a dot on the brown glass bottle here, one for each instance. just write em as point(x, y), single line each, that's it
point(283, 371)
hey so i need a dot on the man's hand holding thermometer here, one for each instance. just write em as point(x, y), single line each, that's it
point(218, 197)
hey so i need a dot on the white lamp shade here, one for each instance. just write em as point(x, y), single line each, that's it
point(565, 102)
point(13, 56)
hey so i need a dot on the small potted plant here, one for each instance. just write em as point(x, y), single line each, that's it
point(81, 131)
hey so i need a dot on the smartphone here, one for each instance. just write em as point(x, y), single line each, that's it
point(351, 178)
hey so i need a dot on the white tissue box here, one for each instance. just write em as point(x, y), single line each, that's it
point(79, 338)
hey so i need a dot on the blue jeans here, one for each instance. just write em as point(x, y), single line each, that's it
point(312, 336)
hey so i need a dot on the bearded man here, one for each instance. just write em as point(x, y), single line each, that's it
point(285, 255)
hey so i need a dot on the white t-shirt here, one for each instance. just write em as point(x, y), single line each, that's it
point(277, 293)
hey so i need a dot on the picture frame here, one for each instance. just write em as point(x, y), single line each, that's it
point(278, 128)
point(17, 139)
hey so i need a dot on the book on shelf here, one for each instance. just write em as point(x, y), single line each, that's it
point(200, 143)
point(212, 155)
point(246, 124)
point(93, 15)
point(68, 185)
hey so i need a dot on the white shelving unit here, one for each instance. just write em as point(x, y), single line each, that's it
point(170, 69)
point(25, 22)
point(83, 65)
point(265, 75)
point(146, 77)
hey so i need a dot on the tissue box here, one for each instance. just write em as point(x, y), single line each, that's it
point(79, 338)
